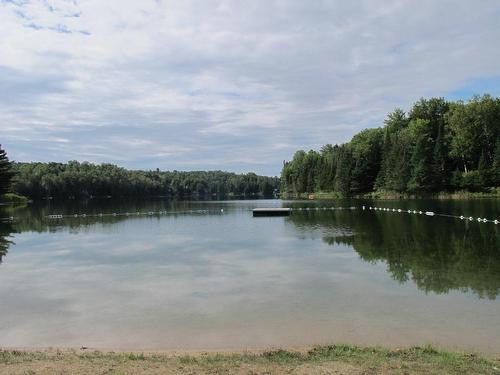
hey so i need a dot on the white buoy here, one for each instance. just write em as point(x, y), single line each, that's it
point(420, 212)
point(429, 213)
point(409, 211)
point(495, 221)
point(461, 217)
point(485, 220)
point(399, 209)
point(471, 218)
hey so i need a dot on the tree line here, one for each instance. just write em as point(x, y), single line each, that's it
point(437, 146)
point(75, 180)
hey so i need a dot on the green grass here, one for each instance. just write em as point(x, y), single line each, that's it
point(375, 360)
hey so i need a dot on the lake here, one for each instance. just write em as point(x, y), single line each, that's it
point(192, 275)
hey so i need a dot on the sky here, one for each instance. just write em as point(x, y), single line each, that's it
point(230, 85)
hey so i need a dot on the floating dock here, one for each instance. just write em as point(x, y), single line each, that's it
point(271, 211)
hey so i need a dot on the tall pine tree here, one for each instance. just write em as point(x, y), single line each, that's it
point(6, 173)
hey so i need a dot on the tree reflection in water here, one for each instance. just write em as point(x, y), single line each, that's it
point(438, 254)
point(5, 232)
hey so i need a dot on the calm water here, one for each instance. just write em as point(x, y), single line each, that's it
point(225, 280)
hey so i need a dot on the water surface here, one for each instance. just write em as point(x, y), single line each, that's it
point(224, 280)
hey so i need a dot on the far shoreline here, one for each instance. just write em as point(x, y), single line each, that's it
point(390, 195)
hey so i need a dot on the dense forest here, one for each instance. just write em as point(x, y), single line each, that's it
point(437, 146)
point(76, 180)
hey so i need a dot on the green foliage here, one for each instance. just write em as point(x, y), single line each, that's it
point(76, 180)
point(439, 146)
point(6, 173)
point(13, 198)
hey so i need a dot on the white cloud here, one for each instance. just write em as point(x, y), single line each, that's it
point(199, 84)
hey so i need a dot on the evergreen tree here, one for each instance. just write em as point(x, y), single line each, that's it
point(399, 160)
point(395, 122)
point(6, 173)
point(343, 172)
point(385, 167)
point(421, 176)
point(496, 165)
point(366, 153)
point(483, 172)
point(327, 167)
point(440, 171)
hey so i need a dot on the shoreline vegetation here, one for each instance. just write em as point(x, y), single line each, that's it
point(438, 149)
point(343, 359)
point(12, 198)
point(394, 195)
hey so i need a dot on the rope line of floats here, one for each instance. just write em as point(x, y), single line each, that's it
point(401, 210)
point(116, 214)
point(159, 213)
point(432, 213)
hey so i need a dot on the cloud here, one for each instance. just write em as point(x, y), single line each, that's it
point(222, 84)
